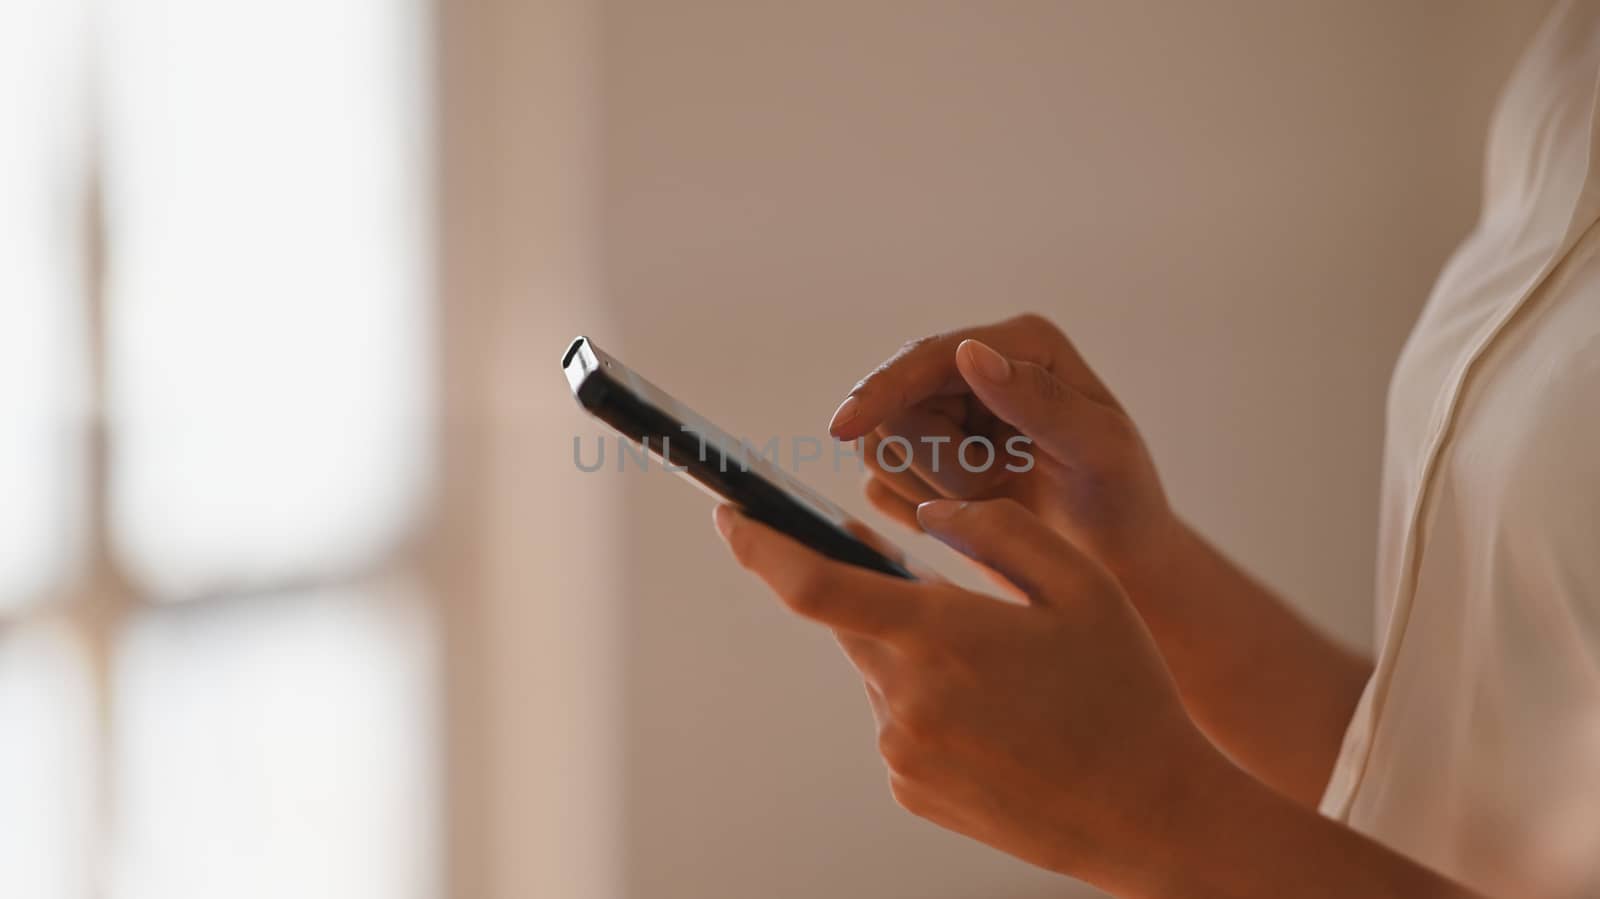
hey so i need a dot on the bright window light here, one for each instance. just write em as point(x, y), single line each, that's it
point(46, 765)
point(280, 746)
point(269, 271)
point(42, 164)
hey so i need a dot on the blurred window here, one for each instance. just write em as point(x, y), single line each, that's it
point(268, 335)
point(42, 47)
point(46, 718)
point(270, 749)
point(216, 387)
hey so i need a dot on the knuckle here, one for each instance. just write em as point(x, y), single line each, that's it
point(1002, 512)
point(1046, 385)
point(920, 716)
point(909, 796)
point(1121, 428)
point(899, 750)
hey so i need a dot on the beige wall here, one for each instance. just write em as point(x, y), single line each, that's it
point(1236, 215)
point(531, 636)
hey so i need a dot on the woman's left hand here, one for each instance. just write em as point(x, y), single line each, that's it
point(1050, 730)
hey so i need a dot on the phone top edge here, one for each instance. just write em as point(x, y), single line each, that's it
point(573, 348)
point(579, 362)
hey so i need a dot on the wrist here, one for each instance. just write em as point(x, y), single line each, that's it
point(1165, 561)
point(1144, 844)
point(1186, 850)
point(1228, 834)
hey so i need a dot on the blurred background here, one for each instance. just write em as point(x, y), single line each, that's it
point(300, 591)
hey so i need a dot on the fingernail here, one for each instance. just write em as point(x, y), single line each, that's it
point(938, 511)
point(725, 518)
point(990, 365)
point(846, 411)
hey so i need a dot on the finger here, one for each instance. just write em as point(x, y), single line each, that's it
point(891, 504)
point(937, 457)
point(1064, 421)
point(894, 468)
point(834, 593)
point(926, 368)
point(1004, 536)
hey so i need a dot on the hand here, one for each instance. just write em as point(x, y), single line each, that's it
point(1050, 730)
point(1093, 480)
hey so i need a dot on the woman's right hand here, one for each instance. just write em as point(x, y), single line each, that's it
point(1094, 483)
point(1092, 479)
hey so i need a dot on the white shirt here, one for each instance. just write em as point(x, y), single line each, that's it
point(1476, 746)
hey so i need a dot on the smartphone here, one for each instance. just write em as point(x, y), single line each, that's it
point(704, 453)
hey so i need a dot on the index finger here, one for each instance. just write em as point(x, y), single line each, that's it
point(837, 594)
point(926, 368)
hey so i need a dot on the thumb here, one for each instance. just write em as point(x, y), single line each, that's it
point(1062, 420)
point(1007, 538)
